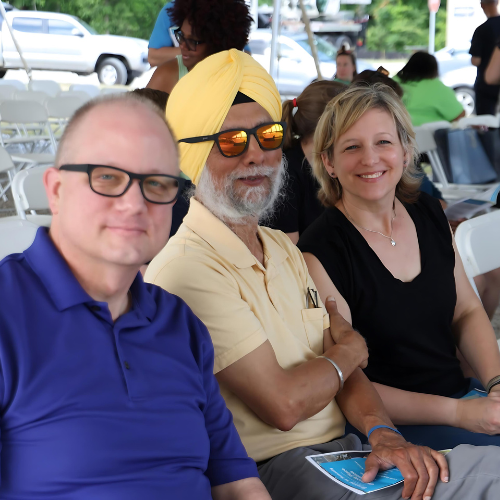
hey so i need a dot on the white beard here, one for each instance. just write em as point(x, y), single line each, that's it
point(257, 202)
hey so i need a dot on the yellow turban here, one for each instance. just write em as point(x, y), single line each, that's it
point(200, 102)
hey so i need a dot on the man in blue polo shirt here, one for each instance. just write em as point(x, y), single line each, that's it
point(106, 384)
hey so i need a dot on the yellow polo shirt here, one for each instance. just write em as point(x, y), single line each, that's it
point(243, 304)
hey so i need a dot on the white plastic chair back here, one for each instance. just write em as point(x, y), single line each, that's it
point(426, 144)
point(48, 86)
point(28, 191)
point(7, 92)
point(63, 107)
point(478, 242)
point(436, 125)
point(76, 93)
point(114, 90)
point(13, 83)
point(31, 95)
point(6, 162)
point(23, 112)
point(91, 90)
point(16, 236)
point(489, 121)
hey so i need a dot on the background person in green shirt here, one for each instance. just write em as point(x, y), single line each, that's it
point(346, 66)
point(427, 98)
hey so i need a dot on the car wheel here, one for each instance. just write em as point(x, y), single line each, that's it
point(112, 71)
point(467, 98)
point(344, 40)
point(3, 73)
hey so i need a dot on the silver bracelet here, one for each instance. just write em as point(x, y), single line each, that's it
point(339, 371)
point(492, 383)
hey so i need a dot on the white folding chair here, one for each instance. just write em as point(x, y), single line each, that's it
point(114, 90)
point(8, 169)
point(426, 144)
point(13, 83)
point(7, 92)
point(16, 236)
point(28, 124)
point(48, 86)
point(31, 95)
point(76, 93)
point(60, 109)
point(29, 195)
point(478, 243)
point(489, 121)
point(91, 90)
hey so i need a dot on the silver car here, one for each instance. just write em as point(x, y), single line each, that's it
point(53, 41)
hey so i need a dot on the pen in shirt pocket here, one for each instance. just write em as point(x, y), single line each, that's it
point(312, 298)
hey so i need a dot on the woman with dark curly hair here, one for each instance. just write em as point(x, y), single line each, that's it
point(206, 27)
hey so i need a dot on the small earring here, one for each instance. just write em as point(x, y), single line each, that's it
point(405, 162)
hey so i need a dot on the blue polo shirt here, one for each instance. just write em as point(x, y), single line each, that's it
point(160, 37)
point(93, 409)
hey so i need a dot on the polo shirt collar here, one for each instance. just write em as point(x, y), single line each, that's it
point(272, 249)
point(62, 285)
point(225, 242)
point(53, 271)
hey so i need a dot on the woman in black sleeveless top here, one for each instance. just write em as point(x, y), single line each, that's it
point(388, 257)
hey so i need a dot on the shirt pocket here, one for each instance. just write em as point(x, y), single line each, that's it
point(313, 326)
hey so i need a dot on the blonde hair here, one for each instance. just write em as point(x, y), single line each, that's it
point(341, 113)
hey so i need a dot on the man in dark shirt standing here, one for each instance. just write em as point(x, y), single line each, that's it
point(483, 43)
point(106, 383)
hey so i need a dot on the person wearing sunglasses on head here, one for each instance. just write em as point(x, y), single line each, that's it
point(107, 382)
point(205, 27)
point(287, 368)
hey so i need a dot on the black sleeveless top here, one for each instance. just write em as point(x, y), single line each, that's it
point(407, 326)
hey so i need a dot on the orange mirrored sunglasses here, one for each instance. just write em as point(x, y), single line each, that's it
point(234, 142)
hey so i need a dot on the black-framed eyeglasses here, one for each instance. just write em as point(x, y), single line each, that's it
point(234, 142)
point(161, 189)
point(190, 43)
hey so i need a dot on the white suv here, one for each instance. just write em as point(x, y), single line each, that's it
point(60, 42)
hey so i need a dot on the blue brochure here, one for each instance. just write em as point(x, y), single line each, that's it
point(347, 467)
point(474, 394)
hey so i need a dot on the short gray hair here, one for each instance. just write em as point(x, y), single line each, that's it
point(126, 99)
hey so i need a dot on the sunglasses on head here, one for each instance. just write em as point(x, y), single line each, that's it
point(234, 142)
point(190, 43)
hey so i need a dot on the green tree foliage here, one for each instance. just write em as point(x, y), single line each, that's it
point(396, 24)
point(120, 17)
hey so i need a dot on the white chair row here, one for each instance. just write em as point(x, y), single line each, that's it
point(28, 191)
point(53, 89)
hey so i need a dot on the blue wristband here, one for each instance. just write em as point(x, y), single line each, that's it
point(382, 427)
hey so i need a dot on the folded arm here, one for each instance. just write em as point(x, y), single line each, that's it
point(283, 398)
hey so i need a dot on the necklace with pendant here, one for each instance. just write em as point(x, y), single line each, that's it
point(393, 243)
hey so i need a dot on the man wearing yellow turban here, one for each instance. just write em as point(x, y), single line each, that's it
point(280, 364)
point(200, 105)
